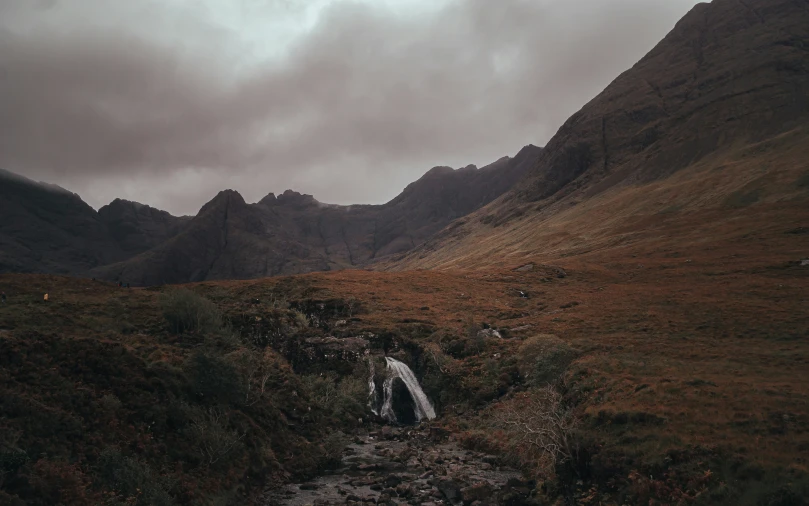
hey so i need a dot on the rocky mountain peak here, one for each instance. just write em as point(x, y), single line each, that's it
point(293, 198)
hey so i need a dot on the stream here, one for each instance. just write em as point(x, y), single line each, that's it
point(411, 465)
point(414, 464)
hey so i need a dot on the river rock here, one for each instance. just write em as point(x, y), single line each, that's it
point(478, 492)
point(451, 489)
point(392, 480)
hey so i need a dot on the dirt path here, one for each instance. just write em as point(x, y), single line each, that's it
point(409, 466)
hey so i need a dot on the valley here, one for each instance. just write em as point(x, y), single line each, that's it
point(619, 317)
point(686, 367)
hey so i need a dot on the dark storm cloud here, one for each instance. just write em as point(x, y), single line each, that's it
point(355, 109)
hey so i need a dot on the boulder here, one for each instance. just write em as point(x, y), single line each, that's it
point(481, 491)
point(450, 489)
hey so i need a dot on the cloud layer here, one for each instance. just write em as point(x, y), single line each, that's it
point(165, 103)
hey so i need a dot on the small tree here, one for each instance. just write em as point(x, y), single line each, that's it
point(211, 430)
point(540, 427)
point(185, 311)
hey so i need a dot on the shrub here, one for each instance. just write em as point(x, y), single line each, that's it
point(343, 399)
point(10, 461)
point(299, 319)
point(214, 379)
point(259, 372)
point(185, 311)
point(132, 479)
point(57, 482)
point(211, 431)
point(110, 403)
point(540, 428)
point(543, 359)
point(12, 457)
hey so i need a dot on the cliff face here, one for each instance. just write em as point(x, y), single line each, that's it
point(717, 111)
point(730, 72)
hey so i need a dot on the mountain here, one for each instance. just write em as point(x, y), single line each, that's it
point(137, 227)
point(45, 228)
point(293, 233)
point(706, 137)
point(48, 229)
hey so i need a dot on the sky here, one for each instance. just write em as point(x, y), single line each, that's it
point(167, 102)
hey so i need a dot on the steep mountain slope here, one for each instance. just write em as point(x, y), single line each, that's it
point(293, 233)
point(710, 128)
point(137, 227)
point(45, 228)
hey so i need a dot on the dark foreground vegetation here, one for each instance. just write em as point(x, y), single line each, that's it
point(213, 393)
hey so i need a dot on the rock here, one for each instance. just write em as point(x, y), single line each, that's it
point(489, 333)
point(478, 492)
point(392, 480)
point(450, 489)
point(308, 486)
point(404, 490)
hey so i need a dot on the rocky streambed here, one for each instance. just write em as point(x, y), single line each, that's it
point(398, 466)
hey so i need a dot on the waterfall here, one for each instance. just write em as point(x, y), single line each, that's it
point(422, 407)
point(371, 387)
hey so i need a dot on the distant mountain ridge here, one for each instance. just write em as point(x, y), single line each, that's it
point(48, 229)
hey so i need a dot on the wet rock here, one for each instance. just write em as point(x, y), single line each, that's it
point(438, 434)
point(402, 403)
point(404, 490)
point(392, 480)
point(477, 492)
point(450, 489)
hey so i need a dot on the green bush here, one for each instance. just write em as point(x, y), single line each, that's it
point(132, 479)
point(299, 319)
point(185, 311)
point(214, 379)
point(10, 461)
point(211, 432)
point(543, 359)
point(109, 403)
point(343, 399)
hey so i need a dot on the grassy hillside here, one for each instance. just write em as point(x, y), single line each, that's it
point(683, 377)
point(105, 400)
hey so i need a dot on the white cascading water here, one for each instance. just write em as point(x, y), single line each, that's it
point(422, 407)
point(371, 388)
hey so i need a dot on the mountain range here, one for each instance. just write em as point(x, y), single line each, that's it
point(49, 229)
point(707, 135)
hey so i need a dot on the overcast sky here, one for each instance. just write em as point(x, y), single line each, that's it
point(166, 102)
